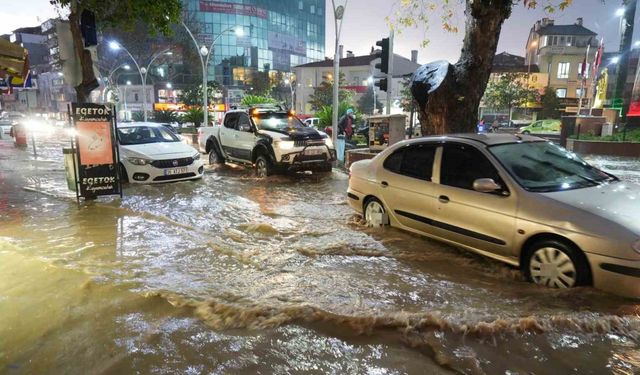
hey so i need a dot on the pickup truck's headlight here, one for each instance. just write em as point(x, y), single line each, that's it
point(196, 156)
point(139, 161)
point(328, 142)
point(636, 246)
point(284, 145)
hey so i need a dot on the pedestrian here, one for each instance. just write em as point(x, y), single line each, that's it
point(494, 126)
point(481, 126)
point(345, 125)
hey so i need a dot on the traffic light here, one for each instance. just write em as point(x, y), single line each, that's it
point(382, 84)
point(383, 65)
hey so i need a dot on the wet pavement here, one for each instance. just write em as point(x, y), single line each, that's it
point(233, 274)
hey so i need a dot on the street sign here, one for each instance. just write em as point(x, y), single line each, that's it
point(96, 150)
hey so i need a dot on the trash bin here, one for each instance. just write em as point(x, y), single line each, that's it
point(19, 133)
point(340, 145)
point(69, 162)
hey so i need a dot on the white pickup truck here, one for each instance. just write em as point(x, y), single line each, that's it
point(269, 138)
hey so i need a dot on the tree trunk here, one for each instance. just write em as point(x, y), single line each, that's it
point(452, 105)
point(89, 81)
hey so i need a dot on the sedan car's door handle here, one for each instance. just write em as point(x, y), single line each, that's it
point(443, 199)
point(384, 183)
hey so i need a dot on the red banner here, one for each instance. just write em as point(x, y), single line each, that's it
point(232, 8)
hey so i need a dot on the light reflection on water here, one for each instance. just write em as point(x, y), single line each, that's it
point(234, 274)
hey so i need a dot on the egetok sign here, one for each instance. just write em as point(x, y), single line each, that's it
point(97, 154)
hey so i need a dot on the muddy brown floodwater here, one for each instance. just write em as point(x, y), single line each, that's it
point(235, 275)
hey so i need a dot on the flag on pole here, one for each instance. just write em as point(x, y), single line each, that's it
point(598, 58)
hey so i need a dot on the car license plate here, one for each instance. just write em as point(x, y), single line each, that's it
point(313, 151)
point(173, 171)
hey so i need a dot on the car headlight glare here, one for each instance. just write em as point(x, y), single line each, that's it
point(285, 145)
point(196, 156)
point(328, 142)
point(636, 246)
point(138, 161)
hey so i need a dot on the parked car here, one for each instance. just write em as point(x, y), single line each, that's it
point(5, 127)
point(542, 127)
point(151, 153)
point(269, 138)
point(515, 198)
point(313, 122)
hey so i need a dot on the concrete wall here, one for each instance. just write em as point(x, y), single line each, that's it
point(604, 148)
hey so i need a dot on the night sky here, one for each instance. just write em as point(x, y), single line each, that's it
point(365, 23)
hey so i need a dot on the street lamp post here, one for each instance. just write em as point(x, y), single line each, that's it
point(145, 72)
point(338, 15)
point(125, 98)
point(108, 79)
point(117, 46)
point(290, 83)
point(205, 55)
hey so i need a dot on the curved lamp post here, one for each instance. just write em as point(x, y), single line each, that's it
point(108, 79)
point(205, 55)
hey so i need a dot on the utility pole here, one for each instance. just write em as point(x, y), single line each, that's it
point(390, 74)
point(626, 36)
point(338, 15)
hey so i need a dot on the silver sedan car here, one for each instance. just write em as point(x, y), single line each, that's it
point(515, 198)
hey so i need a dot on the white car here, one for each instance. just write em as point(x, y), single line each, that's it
point(313, 122)
point(269, 138)
point(151, 153)
point(5, 128)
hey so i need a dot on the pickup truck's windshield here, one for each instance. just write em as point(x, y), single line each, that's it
point(278, 121)
point(136, 135)
point(545, 167)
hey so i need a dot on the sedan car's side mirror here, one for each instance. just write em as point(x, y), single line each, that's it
point(486, 185)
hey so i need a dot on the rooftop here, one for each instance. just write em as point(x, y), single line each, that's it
point(575, 29)
point(507, 63)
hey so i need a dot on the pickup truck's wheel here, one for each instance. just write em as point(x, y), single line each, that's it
point(214, 157)
point(264, 168)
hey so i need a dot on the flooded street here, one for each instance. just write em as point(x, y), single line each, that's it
point(236, 275)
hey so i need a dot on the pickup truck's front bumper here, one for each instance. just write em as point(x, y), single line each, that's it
point(301, 160)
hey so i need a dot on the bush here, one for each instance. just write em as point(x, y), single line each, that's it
point(137, 116)
point(194, 116)
point(325, 113)
point(165, 116)
point(250, 100)
point(632, 135)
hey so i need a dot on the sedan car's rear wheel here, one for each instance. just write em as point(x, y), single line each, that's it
point(555, 264)
point(374, 213)
point(526, 132)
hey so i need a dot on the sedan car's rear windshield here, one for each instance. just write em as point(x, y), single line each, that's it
point(137, 135)
point(546, 167)
point(279, 121)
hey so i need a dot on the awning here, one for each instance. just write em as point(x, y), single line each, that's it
point(14, 60)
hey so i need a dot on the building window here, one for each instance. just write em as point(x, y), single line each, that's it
point(561, 93)
point(300, 6)
point(563, 70)
point(571, 41)
point(578, 93)
point(586, 72)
